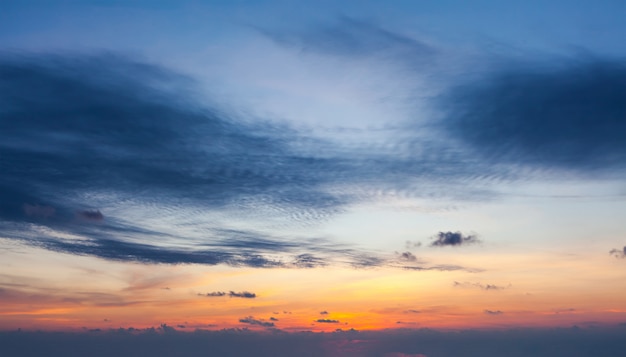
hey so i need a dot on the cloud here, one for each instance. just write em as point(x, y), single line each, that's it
point(327, 321)
point(243, 294)
point(308, 261)
point(88, 215)
point(129, 138)
point(443, 239)
point(486, 287)
point(272, 318)
point(620, 254)
point(213, 294)
point(252, 321)
point(38, 211)
point(493, 312)
point(353, 37)
point(601, 341)
point(407, 256)
point(568, 114)
point(324, 312)
point(412, 244)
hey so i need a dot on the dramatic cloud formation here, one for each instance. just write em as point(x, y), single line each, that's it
point(126, 137)
point(620, 254)
point(443, 239)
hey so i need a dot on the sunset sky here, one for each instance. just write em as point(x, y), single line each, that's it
point(292, 166)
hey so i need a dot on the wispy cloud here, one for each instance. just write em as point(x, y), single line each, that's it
point(493, 312)
point(620, 254)
point(353, 37)
point(486, 287)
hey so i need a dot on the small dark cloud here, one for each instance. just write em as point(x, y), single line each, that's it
point(486, 287)
point(324, 312)
point(88, 215)
point(272, 318)
point(620, 254)
point(252, 321)
point(411, 311)
point(443, 239)
point(327, 321)
point(243, 294)
point(407, 257)
point(214, 294)
point(493, 312)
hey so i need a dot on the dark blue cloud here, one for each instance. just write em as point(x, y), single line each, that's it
point(443, 239)
point(570, 114)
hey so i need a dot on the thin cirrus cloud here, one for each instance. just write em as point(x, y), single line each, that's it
point(486, 287)
point(353, 38)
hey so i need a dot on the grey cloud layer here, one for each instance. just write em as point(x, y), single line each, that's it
point(570, 342)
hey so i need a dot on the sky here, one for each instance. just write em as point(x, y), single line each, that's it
point(337, 178)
